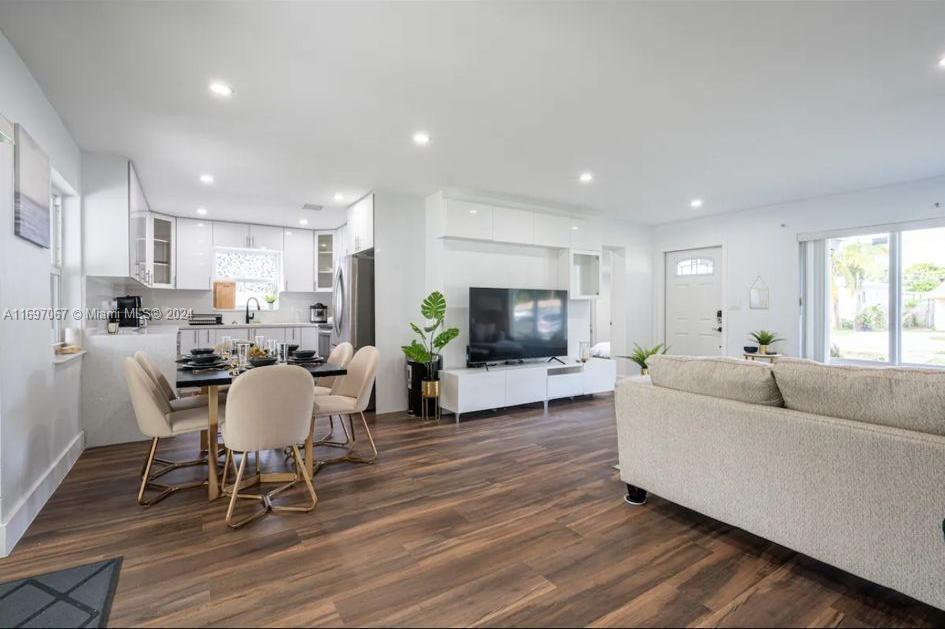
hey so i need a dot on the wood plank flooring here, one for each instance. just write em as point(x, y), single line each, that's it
point(510, 519)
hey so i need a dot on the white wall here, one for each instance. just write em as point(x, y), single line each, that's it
point(39, 404)
point(764, 242)
point(398, 289)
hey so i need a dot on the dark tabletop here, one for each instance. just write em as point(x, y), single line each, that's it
point(212, 378)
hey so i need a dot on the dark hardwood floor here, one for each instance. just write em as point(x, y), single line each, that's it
point(507, 519)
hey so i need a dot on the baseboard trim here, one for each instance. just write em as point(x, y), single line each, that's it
point(42, 490)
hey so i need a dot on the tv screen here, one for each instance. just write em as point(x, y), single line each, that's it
point(517, 323)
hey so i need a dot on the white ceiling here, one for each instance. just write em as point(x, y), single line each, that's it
point(742, 104)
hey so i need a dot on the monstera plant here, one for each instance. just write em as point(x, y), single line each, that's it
point(433, 335)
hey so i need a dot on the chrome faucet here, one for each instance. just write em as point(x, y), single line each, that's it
point(250, 317)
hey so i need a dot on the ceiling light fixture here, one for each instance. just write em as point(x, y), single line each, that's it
point(288, 233)
point(206, 178)
point(586, 177)
point(339, 197)
point(941, 62)
point(421, 138)
point(202, 211)
point(221, 89)
point(303, 221)
point(695, 203)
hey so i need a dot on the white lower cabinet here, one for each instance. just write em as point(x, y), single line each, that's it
point(468, 390)
point(308, 337)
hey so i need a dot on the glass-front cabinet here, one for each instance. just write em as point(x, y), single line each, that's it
point(161, 251)
point(324, 260)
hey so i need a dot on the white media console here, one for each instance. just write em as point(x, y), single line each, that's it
point(478, 389)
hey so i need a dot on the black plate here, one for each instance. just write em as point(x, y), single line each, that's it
point(306, 361)
point(222, 364)
point(201, 350)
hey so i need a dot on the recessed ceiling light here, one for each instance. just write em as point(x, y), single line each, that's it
point(303, 221)
point(206, 178)
point(201, 211)
point(586, 177)
point(575, 227)
point(941, 62)
point(219, 88)
point(421, 137)
point(288, 233)
point(339, 197)
point(474, 211)
point(695, 203)
point(199, 224)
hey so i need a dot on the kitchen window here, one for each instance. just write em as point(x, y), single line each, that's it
point(256, 273)
point(882, 297)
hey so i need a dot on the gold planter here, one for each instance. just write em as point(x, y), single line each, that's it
point(644, 371)
point(430, 395)
point(762, 349)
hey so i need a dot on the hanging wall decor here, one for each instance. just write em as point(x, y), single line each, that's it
point(32, 188)
point(758, 295)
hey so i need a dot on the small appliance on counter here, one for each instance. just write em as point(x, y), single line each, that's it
point(128, 311)
point(318, 313)
point(206, 319)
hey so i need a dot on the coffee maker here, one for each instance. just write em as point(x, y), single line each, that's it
point(318, 313)
point(128, 311)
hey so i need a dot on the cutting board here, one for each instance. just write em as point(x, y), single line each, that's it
point(224, 295)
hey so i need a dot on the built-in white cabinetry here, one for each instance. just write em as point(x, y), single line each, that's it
point(584, 234)
point(138, 229)
point(299, 260)
point(552, 230)
point(277, 334)
point(306, 337)
point(464, 219)
point(360, 228)
point(513, 225)
point(579, 271)
point(160, 258)
point(194, 254)
point(324, 260)
point(477, 389)
point(243, 236)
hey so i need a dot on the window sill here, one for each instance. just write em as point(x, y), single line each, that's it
point(62, 359)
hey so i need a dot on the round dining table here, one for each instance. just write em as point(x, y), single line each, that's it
point(210, 381)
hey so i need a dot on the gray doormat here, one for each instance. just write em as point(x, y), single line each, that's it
point(75, 597)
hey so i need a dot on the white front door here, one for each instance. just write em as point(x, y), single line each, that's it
point(694, 302)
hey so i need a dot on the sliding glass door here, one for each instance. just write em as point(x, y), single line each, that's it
point(885, 297)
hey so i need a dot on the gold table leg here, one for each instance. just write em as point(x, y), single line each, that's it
point(213, 403)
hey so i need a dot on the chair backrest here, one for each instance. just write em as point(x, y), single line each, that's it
point(150, 406)
point(360, 377)
point(155, 374)
point(340, 355)
point(269, 408)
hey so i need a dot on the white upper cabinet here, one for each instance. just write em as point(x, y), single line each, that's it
point(325, 244)
point(299, 260)
point(584, 234)
point(161, 258)
point(194, 254)
point(360, 228)
point(552, 230)
point(465, 219)
point(266, 237)
point(230, 235)
point(512, 225)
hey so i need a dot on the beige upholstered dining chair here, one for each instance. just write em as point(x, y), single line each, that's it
point(268, 408)
point(350, 396)
point(158, 420)
point(341, 356)
point(177, 402)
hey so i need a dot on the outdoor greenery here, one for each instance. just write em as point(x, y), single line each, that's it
point(856, 263)
point(640, 355)
point(426, 349)
point(923, 277)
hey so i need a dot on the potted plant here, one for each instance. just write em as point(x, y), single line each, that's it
point(433, 338)
point(270, 300)
point(765, 339)
point(641, 354)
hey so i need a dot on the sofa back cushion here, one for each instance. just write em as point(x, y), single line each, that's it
point(913, 399)
point(730, 378)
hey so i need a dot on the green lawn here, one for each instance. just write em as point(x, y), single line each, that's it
point(919, 346)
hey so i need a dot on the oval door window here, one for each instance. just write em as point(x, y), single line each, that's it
point(695, 266)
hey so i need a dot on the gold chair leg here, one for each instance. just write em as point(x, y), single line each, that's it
point(350, 456)
point(326, 440)
point(148, 479)
point(235, 495)
point(359, 459)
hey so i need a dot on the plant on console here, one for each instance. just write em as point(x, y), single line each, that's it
point(641, 354)
point(765, 339)
point(433, 336)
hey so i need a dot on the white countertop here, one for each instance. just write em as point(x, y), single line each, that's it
point(261, 324)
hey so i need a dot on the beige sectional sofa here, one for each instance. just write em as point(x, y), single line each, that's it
point(844, 464)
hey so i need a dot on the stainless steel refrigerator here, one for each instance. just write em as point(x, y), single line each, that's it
point(352, 300)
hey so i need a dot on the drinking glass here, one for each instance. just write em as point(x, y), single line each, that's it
point(227, 345)
point(242, 350)
point(283, 352)
point(260, 341)
point(271, 346)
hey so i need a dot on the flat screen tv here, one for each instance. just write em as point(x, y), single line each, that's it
point(507, 324)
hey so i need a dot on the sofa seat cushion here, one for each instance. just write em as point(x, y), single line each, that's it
point(717, 376)
point(901, 397)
